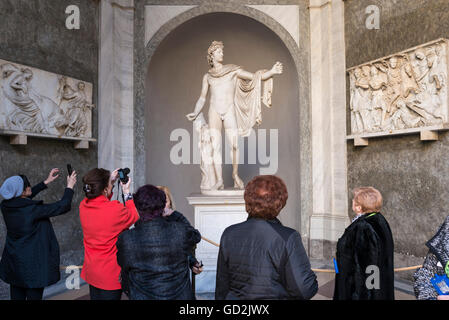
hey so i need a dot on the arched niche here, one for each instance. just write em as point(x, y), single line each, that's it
point(175, 61)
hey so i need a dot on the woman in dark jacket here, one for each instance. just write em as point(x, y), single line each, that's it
point(154, 254)
point(30, 258)
point(260, 258)
point(365, 252)
point(436, 263)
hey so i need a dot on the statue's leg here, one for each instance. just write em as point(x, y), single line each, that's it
point(230, 124)
point(215, 125)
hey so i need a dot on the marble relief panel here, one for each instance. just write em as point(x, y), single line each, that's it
point(36, 101)
point(405, 90)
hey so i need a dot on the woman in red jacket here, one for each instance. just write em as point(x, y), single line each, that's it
point(102, 220)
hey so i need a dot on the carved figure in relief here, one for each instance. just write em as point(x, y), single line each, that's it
point(76, 107)
point(23, 108)
point(405, 90)
point(427, 104)
point(421, 66)
point(394, 82)
point(437, 71)
point(403, 117)
point(360, 103)
point(379, 106)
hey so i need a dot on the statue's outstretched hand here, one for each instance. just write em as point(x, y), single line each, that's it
point(191, 116)
point(277, 68)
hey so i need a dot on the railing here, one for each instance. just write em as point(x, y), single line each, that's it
point(329, 270)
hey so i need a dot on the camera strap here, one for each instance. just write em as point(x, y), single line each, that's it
point(118, 191)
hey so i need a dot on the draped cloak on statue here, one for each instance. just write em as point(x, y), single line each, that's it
point(248, 96)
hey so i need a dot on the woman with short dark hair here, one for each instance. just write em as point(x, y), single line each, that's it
point(102, 220)
point(30, 258)
point(154, 254)
point(260, 258)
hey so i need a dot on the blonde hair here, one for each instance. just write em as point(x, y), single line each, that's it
point(169, 196)
point(369, 198)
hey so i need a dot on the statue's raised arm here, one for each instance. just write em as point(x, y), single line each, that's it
point(276, 69)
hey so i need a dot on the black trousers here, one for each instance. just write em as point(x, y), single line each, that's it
point(18, 293)
point(100, 294)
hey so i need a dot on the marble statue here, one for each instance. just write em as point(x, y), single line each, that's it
point(235, 104)
point(402, 91)
point(36, 101)
point(207, 165)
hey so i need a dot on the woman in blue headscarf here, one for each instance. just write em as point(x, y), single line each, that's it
point(30, 258)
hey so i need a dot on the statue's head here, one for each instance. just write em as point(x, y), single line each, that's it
point(15, 82)
point(420, 54)
point(81, 85)
point(365, 71)
point(215, 52)
point(393, 62)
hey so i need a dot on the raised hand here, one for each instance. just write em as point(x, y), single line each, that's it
point(125, 187)
point(197, 268)
point(71, 180)
point(277, 68)
point(114, 176)
point(191, 116)
point(52, 175)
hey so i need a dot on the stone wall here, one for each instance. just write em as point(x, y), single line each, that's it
point(34, 34)
point(412, 175)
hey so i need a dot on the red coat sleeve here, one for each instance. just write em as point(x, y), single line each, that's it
point(127, 215)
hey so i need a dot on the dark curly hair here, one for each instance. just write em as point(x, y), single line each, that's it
point(265, 196)
point(149, 201)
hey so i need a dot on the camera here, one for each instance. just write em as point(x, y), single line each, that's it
point(123, 175)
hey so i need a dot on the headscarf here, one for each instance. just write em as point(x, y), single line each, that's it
point(12, 187)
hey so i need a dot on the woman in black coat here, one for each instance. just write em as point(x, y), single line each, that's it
point(365, 252)
point(30, 258)
point(154, 255)
point(260, 259)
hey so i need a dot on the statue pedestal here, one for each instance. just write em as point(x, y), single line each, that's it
point(213, 214)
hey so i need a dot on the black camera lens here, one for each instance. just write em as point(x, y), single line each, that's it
point(123, 174)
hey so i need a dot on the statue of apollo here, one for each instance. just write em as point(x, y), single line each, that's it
point(235, 101)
